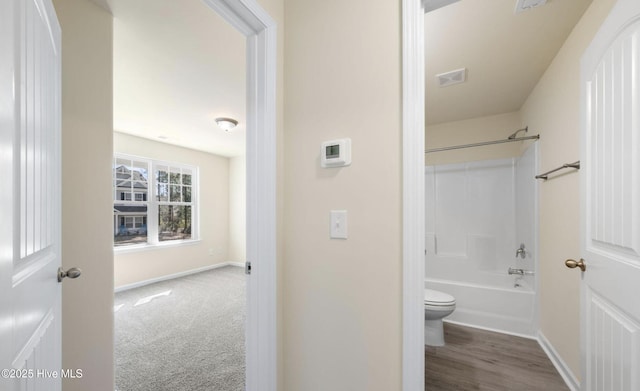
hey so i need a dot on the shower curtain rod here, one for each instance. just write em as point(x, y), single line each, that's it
point(508, 140)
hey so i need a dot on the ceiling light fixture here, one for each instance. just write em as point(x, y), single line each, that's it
point(526, 5)
point(226, 124)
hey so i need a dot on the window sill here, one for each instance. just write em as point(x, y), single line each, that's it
point(156, 246)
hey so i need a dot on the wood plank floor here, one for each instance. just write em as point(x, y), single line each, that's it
point(475, 359)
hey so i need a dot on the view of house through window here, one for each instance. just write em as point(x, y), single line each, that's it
point(165, 214)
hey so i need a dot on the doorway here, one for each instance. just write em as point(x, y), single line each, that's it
point(258, 31)
point(413, 40)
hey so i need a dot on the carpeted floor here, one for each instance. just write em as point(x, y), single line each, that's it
point(188, 336)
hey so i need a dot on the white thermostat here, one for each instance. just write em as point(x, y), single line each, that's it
point(336, 153)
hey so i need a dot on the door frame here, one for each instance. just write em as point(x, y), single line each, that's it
point(413, 198)
point(261, 329)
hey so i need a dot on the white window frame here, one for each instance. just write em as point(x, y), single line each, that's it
point(153, 204)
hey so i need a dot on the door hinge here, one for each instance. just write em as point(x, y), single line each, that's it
point(247, 267)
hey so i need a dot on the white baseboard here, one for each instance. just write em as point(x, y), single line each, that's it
point(176, 275)
point(474, 326)
point(559, 363)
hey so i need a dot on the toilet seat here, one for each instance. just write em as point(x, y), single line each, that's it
point(438, 299)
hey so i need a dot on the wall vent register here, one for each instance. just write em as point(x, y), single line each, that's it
point(452, 77)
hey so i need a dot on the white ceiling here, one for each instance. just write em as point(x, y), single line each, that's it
point(505, 54)
point(178, 65)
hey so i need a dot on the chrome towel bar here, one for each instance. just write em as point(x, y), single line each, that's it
point(545, 176)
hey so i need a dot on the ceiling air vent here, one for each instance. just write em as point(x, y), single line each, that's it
point(452, 77)
point(430, 5)
point(526, 5)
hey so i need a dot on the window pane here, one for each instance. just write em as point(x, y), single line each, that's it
point(121, 172)
point(129, 224)
point(141, 171)
point(174, 222)
point(174, 193)
point(139, 181)
point(122, 169)
point(162, 174)
point(174, 176)
point(121, 178)
point(163, 192)
point(129, 176)
point(186, 193)
point(186, 177)
point(122, 187)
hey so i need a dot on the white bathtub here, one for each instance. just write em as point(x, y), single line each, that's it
point(497, 306)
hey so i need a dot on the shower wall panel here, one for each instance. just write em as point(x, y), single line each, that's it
point(477, 215)
point(470, 219)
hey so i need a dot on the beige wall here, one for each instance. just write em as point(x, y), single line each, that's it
point(495, 127)
point(237, 209)
point(213, 245)
point(553, 109)
point(87, 310)
point(343, 298)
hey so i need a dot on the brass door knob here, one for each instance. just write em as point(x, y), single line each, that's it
point(572, 264)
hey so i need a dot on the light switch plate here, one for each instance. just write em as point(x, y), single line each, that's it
point(338, 228)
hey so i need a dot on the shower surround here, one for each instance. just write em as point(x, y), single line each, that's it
point(477, 216)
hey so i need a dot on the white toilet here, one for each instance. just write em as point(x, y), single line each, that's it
point(437, 305)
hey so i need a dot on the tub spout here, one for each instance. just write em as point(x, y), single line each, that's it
point(521, 272)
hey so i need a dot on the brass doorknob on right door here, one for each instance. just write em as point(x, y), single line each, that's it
point(572, 264)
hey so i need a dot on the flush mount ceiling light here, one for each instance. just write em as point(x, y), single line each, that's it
point(525, 5)
point(226, 124)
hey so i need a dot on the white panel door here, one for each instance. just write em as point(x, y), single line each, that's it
point(30, 350)
point(610, 204)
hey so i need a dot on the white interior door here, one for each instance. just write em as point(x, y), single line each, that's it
point(29, 196)
point(610, 203)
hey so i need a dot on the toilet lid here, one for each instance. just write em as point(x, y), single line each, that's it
point(432, 297)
